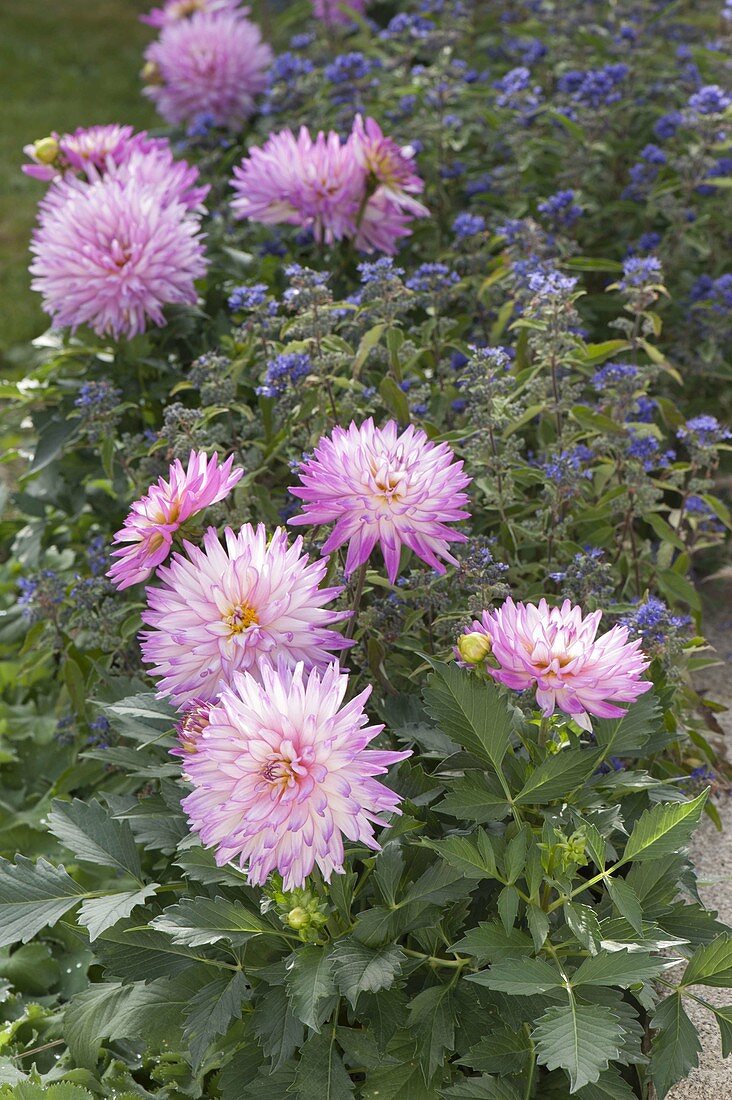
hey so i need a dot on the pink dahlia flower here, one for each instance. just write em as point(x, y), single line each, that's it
point(338, 11)
point(147, 535)
point(377, 486)
point(361, 188)
point(316, 184)
point(233, 608)
point(173, 10)
point(390, 165)
point(557, 649)
point(111, 255)
point(281, 774)
point(212, 64)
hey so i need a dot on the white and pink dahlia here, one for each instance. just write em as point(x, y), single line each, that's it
point(174, 10)
point(213, 63)
point(338, 11)
point(556, 649)
point(147, 536)
point(281, 774)
point(360, 189)
point(251, 603)
point(112, 255)
point(379, 487)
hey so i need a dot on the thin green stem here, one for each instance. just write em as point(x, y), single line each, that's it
point(360, 582)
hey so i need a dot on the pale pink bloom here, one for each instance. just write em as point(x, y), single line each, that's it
point(377, 486)
point(382, 225)
point(147, 535)
point(317, 184)
point(390, 165)
point(173, 180)
point(213, 63)
point(111, 254)
point(337, 11)
point(281, 774)
point(173, 10)
point(89, 147)
point(226, 609)
point(557, 649)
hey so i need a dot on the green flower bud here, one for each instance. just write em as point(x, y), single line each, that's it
point(474, 647)
point(46, 150)
point(298, 918)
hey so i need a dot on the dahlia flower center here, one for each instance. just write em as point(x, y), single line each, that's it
point(287, 768)
point(240, 618)
point(390, 483)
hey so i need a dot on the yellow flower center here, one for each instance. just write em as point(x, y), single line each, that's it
point(240, 618)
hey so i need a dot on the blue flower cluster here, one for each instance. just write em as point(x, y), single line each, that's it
point(283, 372)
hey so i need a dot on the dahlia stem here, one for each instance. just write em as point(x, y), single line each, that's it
point(360, 581)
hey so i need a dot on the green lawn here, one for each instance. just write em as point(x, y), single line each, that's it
point(65, 63)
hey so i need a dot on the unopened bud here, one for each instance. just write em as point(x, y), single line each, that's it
point(151, 73)
point(46, 150)
point(298, 918)
point(474, 647)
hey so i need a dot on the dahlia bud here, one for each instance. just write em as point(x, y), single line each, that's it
point(150, 73)
point(46, 150)
point(474, 647)
point(298, 918)
point(191, 725)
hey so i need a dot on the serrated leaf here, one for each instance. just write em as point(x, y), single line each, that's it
point(505, 1051)
point(473, 797)
point(663, 829)
point(491, 941)
point(580, 1039)
point(621, 968)
point(359, 969)
point(474, 859)
point(99, 914)
point(675, 1049)
point(472, 713)
point(557, 776)
point(385, 1011)
point(320, 1071)
point(438, 884)
point(88, 831)
point(143, 954)
point(198, 921)
point(432, 1021)
point(211, 1011)
point(522, 977)
point(399, 1078)
point(481, 1088)
point(723, 1017)
point(583, 923)
point(538, 923)
point(620, 736)
point(508, 901)
point(276, 1027)
point(711, 964)
point(626, 901)
point(33, 895)
point(609, 1086)
point(310, 985)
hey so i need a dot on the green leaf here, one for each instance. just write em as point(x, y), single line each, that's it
point(474, 797)
point(472, 860)
point(143, 954)
point(505, 1051)
point(432, 1021)
point(32, 896)
point(358, 969)
point(619, 736)
point(580, 1039)
point(399, 1078)
point(621, 968)
point(557, 776)
point(394, 398)
point(197, 921)
point(608, 1086)
point(472, 713)
point(711, 964)
point(491, 941)
point(626, 901)
point(678, 588)
point(99, 914)
point(538, 923)
point(310, 985)
point(385, 1011)
point(508, 901)
point(583, 923)
point(663, 829)
point(481, 1088)
point(724, 1019)
point(87, 831)
point(438, 884)
point(520, 977)
point(276, 1027)
point(675, 1049)
point(369, 340)
point(321, 1074)
point(112, 1011)
point(211, 1011)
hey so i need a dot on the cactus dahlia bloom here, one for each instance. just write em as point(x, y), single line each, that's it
point(111, 254)
point(556, 649)
point(281, 774)
point(377, 486)
point(233, 608)
point(147, 535)
point(213, 63)
point(390, 165)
